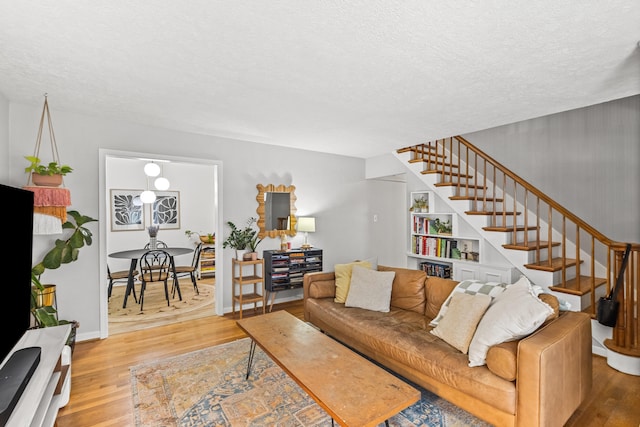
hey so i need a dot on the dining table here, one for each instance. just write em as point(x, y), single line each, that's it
point(135, 254)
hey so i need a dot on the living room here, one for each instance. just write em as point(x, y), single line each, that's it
point(584, 157)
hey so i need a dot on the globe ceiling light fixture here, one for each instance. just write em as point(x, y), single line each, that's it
point(161, 183)
point(151, 169)
point(148, 196)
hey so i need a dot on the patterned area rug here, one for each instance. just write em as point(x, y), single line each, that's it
point(208, 388)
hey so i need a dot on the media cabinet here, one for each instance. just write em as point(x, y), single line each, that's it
point(49, 387)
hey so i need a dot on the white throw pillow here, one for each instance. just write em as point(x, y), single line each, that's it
point(343, 279)
point(514, 314)
point(471, 287)
point(370, 289)
point(459, 324)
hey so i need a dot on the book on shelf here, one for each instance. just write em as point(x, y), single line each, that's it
point(436, 269)
point(435, 246)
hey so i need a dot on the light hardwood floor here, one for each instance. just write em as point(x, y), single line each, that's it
point(101, 391)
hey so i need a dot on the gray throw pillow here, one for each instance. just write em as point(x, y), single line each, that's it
point(370, 289)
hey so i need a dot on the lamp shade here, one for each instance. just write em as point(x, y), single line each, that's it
point(307, 224)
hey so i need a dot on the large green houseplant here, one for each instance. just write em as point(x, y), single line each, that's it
point(63, 252)
point(242, 239)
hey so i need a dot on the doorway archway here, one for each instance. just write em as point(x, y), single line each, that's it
point(198, 185)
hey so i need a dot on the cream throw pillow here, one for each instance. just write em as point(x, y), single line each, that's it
point(459, 323)
point(471, 287)
point(370, 289)
point(514, 314)
point(343, 278)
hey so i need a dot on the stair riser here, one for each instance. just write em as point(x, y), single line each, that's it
point(531, 255)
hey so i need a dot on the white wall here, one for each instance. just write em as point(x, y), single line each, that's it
point(195, 186)
point(587, 159)
point(331, 188)
point(4, 139)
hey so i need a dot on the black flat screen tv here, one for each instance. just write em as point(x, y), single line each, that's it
point(17, 216)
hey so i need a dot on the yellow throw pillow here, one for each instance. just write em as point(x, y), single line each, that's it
point(343, 278)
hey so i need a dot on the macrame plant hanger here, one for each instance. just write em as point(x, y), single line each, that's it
point(50, 203)
point(52, 137)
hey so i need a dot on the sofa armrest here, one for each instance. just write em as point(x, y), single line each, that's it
point(554, 371)
point(320, 284)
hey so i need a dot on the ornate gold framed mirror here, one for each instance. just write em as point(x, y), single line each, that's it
point(276, 210)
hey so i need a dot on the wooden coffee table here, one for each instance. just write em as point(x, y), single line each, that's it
point(353, 390)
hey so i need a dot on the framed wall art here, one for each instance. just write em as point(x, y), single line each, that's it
point(127, 212)
point(165, 211)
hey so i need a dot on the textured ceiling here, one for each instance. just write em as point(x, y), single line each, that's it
point(358, 78)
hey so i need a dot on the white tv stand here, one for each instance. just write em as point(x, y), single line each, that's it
point(49, 386)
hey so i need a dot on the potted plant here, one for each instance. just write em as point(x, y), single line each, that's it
point(46, 175)
point(240, 238)
point(63, 252)
point(253, 246)
point(442, 227)
point(204, 237)
point(420, 205)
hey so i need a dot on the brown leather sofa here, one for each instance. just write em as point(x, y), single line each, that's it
point(539, 380)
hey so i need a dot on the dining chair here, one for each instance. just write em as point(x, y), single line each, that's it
point(154, 265)
point(119, 276)
point(189, 270)
point(159, 245)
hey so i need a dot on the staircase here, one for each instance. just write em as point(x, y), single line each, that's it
point(550, 245)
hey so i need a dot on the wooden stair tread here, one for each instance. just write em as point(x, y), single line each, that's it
point(476, 199)
point(417, 149)
point(529, 246)
point(579, 286)
point(556, 264)
point(506, 228)
point(491, 213)
point(446, 165)
point(432, 158)
point(459, 185)
point(611, 345)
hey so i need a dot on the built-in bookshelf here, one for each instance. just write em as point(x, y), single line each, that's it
point(437, 247)
point(434, 235)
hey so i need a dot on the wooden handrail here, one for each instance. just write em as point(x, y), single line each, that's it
point(540, 194)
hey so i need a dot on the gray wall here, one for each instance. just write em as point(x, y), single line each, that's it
point(585, 159)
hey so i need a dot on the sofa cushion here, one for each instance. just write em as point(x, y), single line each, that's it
point(370, 289)
point(472, 287)
point(343, 278)
point(407, 292)
point(403, 337)
point(459, 323)
point(322, 289)
point(437, 290)
point(502, 360)
point(514, 314)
